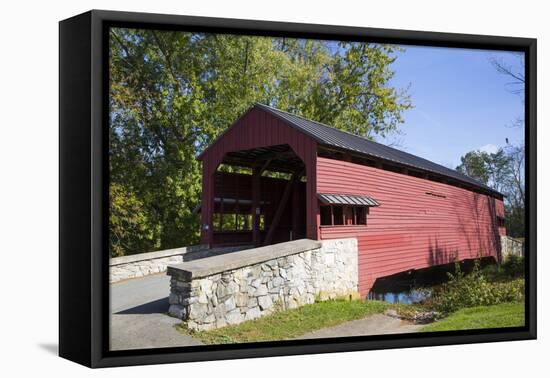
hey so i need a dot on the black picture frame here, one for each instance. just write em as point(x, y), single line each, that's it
point(83, 195)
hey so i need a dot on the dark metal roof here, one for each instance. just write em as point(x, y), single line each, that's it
point(330, 136)
point(347, 199)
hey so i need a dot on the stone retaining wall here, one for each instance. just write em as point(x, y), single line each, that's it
point(143, 264)
point(232, 288)
point(511, 247)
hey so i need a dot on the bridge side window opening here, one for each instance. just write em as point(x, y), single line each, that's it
point(343, 215)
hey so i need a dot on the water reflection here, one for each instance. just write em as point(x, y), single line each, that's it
point(415, 286)
point(409, 296)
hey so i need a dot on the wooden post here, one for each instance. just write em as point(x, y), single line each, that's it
point(295, 210)
point(256, 174)
point(237, 206)
point(281, 207)
point(222, 217)
point(207, 203)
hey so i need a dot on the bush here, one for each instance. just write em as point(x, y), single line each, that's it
point(514, 266)
point(474, 289)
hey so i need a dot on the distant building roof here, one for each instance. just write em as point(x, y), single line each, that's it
point(330, 136)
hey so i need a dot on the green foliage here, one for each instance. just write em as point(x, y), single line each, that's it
point(475, 289)
point(515, 219)
point(474, 164)
point(172, 93)
point(514, 266)
point(504, 172)
point(515, 192)
point(489, 168)
point(130, 227)
point(234, 169)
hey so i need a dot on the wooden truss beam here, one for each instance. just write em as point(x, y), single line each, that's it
point(282, 204)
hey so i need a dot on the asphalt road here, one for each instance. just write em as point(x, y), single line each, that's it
point(139, 320)
point(138, 315)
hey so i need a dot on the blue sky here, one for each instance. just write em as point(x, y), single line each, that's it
point(461, 103)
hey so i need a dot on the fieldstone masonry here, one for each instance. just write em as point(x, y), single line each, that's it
point(511, 247)
point(143, 264)
point(228, 289)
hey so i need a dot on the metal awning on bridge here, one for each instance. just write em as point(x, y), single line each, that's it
point(347, 199)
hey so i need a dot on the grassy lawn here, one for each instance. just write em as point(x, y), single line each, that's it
point(292, 323)
point(502, 315)
point(456, 301)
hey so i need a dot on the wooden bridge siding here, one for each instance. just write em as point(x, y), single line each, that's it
point(410, 229)
point(257, 129)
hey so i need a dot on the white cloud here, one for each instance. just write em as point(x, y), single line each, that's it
point(489, 148)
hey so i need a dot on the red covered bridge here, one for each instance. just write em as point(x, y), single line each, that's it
point(274, 176)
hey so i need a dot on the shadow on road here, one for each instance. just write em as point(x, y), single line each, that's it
point(159, 306)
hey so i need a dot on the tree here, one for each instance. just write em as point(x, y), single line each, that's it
point(473, 164)
point(517, 75)
point(515, 183)
point(172, 93)
point(130, 229)
point(515, 191)
point(502, 171)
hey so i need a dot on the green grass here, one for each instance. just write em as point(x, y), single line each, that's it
point(283, 325)
point(497, 316)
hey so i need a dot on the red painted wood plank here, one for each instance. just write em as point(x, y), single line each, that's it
point(411, 229)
